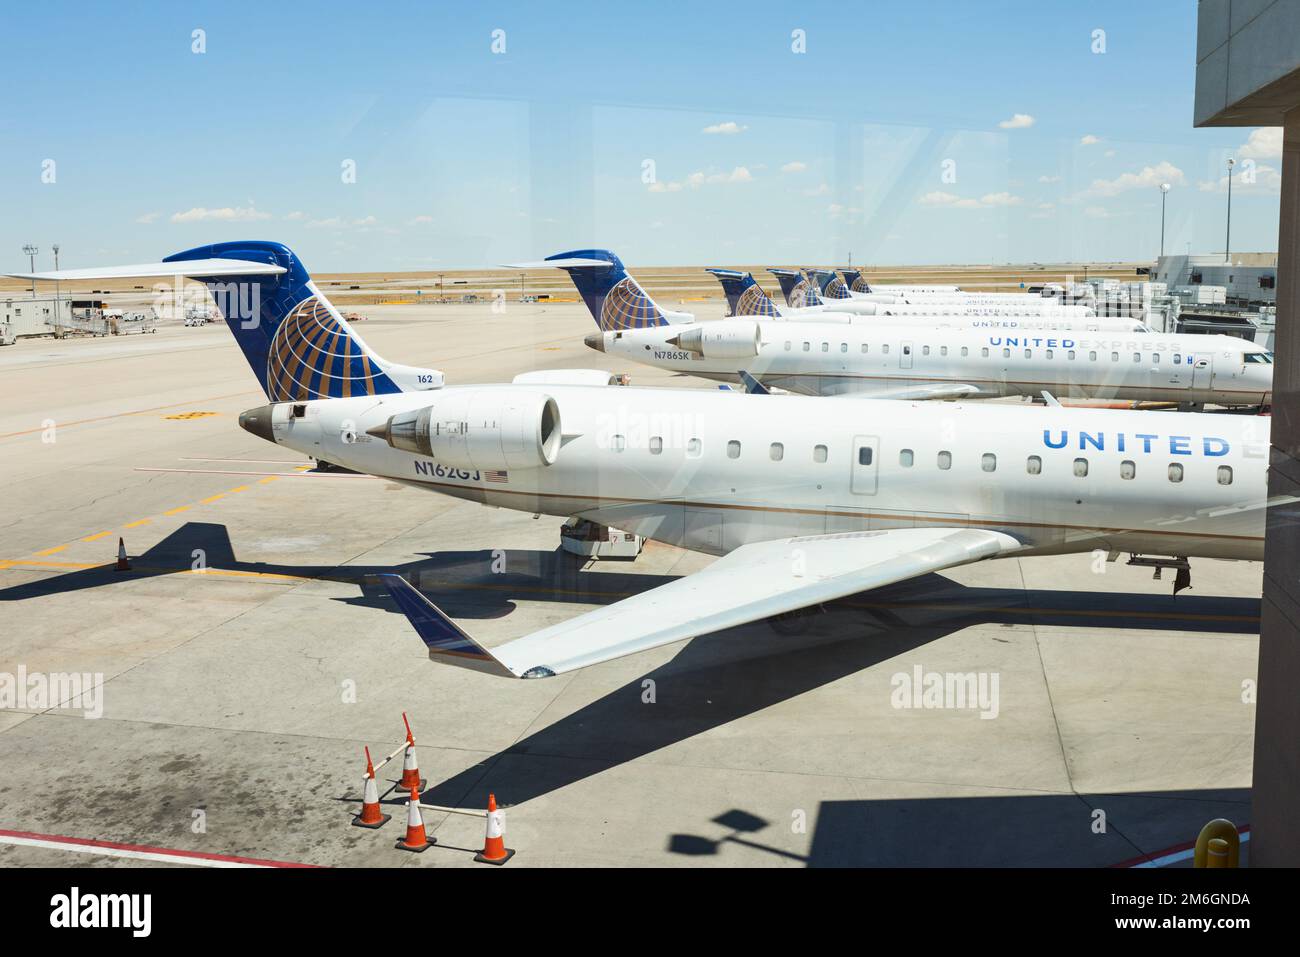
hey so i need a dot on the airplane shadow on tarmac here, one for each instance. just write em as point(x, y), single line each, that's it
point(718, 678)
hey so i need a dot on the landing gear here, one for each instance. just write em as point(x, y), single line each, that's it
point(1182, 569)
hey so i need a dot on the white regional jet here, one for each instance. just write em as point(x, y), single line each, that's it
point(887, 361)
point(805, 500)
point(833, 289)
point(804, 291)
point(747, 298)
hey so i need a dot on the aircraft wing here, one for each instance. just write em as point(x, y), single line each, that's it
point(937, 390)
point(753, 582)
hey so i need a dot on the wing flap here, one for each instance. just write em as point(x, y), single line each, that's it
point(750, 583)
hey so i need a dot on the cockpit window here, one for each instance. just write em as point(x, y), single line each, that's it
point(1264, 357)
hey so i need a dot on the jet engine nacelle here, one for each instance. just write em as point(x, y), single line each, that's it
point(732, 339)
point(491, 428)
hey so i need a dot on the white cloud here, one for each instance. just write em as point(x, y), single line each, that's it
point(1020, 121)
point(230, 214)
point(1089, 140)
point(365, 224)
point(1049, 179)
point(794, 166)
point(295, 216)
point(739, 174)
point(1262, 177)
point(419, 220)
point(821, 189)
point(1263, 143)
point(1148, 176)
point(729, 128)
point(147, 218)
point(1109, 153)
point(952, 200)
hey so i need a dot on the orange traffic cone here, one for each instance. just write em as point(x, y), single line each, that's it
point(416, 839)
point(410, 768)
point(371, 816)
point(494, 847)
point(123, 563)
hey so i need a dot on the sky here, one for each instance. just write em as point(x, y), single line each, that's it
point(426, 135)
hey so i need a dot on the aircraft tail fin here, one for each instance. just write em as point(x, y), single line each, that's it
point(857, 282)
point(798, 290)
point(744, 295)
point(829, 285)
point(615, 299)
point(297, 344)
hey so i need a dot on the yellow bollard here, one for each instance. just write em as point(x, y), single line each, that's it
point(1209, 854)
point(1216, 852)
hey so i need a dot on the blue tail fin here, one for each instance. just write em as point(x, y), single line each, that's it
point(745, 296)
point(296, 342)
point(615, 299)
point(857, 282)
point(798, 290)
point(829, 285)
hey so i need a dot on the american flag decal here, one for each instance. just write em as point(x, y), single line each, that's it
point(500, 477)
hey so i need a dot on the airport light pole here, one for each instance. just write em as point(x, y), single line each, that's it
point(55, 247)
point(1164, 192)
point(31, 252)
point(1227, 236)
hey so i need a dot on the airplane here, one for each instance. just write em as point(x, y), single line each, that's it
point(746, 298)
point(858, 283)
point(887, 361)
point(802, 291)
point(833, 288)
point(804, 500)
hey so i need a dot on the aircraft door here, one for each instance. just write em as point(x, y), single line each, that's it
point(905, 356)
point(866, 465)
point(1202, 370)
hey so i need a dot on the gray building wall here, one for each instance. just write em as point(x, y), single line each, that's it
point(1248, 74)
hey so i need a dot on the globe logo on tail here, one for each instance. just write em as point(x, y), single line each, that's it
point(627, 306)
point(313, 355)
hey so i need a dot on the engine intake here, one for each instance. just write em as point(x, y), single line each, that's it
point(480, 429)
point(730, 339)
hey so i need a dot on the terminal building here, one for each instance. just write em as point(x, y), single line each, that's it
point(1249, 280)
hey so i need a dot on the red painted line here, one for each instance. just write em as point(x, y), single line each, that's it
point(1156, 855)
point(147, 849)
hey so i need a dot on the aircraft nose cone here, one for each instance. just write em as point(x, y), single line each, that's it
point(258, 422)
point(595, 341)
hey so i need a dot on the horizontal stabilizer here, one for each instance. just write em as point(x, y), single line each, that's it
point(561, 264)
point(189, 267)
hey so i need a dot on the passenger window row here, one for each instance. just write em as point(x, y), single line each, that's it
point(1034, 466)
point(907, 458)
point(1070, 354)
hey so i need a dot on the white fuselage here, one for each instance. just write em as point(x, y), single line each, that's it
point(711, 471)
point(836, 359)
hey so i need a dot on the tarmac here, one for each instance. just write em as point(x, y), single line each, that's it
point(242, 665)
